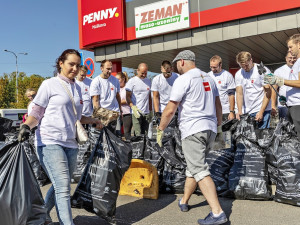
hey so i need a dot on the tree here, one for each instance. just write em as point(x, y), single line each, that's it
point(8, 89)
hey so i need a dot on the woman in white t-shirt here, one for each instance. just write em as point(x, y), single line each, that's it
point(55, 136)
point(127, 120)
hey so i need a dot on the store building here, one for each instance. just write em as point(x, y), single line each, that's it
point(133, 31)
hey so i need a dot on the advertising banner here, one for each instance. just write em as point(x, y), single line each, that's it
point(161, 17)
point(100, 22)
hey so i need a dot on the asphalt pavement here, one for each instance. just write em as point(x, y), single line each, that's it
point(165, 211)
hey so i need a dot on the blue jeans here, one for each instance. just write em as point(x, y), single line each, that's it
point(59, 163)
point(283, 111)
point(265, 123)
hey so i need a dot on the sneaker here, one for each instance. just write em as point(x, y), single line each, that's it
point(183, 207)
point(211, 220)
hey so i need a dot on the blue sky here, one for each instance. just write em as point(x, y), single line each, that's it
point(43, 29)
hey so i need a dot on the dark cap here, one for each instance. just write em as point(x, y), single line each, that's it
point(185, 55)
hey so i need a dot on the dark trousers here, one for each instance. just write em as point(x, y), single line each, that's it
point(294, 117)
point(127, 124)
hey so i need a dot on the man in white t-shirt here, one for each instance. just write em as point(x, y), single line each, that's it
point(105, 90)
point(161, 87)
point(284, 72)
point(196, 96)
point(138, 96)
point(226, 86)
point(293, 83)
point(84, 84)
point(252, 94)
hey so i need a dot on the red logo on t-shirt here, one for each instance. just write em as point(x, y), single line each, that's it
point(112, 88)
point(86, 89)
point(291, 71)
point(252, 81)
point(81, 102)
point(148, 89)
point(219, 82)
point(206, 86)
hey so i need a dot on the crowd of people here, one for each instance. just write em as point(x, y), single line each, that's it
point(202, 101)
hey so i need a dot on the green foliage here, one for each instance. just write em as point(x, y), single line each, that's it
point(8, 91)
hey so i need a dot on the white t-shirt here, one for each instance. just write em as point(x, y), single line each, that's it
point(196, 91)
point(107, 89)
point(163, 86)
point(87, 101)
point(284, 72)
point(292, 93)
point(58, 124)
point(30, 106)
point(224, 81)
point(140, 91)
point(253, 89)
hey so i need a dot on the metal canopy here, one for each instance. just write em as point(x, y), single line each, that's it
point(270, 48)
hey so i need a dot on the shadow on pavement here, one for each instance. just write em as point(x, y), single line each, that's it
point(226, 204)
point(131, 212)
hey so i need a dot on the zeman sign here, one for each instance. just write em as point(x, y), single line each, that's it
point(100, 22)
point(161, 17)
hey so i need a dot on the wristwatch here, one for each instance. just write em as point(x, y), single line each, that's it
point(232, 111)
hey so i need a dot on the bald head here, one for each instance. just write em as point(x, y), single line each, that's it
point(142, 70)
point(185, 65)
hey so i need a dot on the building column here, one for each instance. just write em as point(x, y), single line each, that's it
point(116, 67)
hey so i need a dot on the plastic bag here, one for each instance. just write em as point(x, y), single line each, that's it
point(173, 174)
point(20, 195)
point(248, 177)
point(84, 153)
point(5, 126)
point(287, 153)
point(265, 139)
point(138, 145)
point(37, 168)
point(220, 162)
point(98, 188)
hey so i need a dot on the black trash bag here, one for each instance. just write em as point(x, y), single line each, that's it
point(173, 178)
point(265, 139)
point(138, 145)
point(84, 153)
point(287, 153)
point(11, 137)
point(248, 177)
point(220, 162)
point(98, 188)
point(37, 168)
point(5, 126)
point(151, 153)
point(20, 195)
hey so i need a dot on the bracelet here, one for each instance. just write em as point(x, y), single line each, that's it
point(232, 111)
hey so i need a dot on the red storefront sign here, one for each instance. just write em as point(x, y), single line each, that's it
point(100, 22)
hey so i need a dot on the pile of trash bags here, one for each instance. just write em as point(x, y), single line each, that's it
point(246, 169)
point(168, 160)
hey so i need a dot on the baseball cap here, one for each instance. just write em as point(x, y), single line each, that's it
point(186, 55)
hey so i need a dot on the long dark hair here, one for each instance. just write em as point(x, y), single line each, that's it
point(63, 58)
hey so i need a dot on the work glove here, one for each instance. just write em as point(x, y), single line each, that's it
point(272, 79)
point(24, 133)
point(159, 136)
point(219, 141)
point(282, 100)
point(156, 118)
point(136, 111)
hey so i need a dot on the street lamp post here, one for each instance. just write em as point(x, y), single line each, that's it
point(16, 55)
